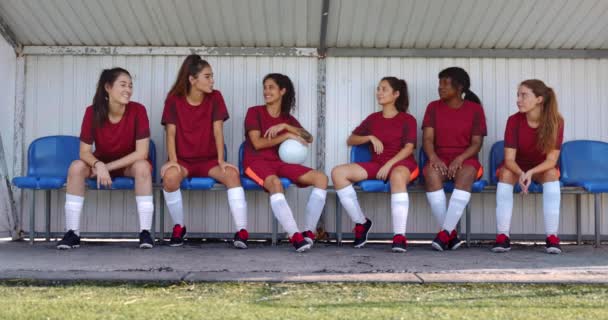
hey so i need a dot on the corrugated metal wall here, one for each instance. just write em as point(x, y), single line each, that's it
point(58, 88)
point(581, 86)
point(8, 65)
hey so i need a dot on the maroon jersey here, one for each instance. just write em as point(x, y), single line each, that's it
point(520, 136)
point(115, 140)
point(194, 139)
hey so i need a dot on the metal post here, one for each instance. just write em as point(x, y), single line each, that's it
point(579, 223)
point(47, 195)
point(468, 225)
point(153, 231)
point(32, 217)
point(598, 209)
point(162, 217)
point(338, 221)
point(275, 230)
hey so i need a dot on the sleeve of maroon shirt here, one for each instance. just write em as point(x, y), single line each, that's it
point(429, 117)
point(220, 112)
point(479, 122)
point(252, 120)
point(142, 125)
point(363, 128)
point(409, 134)
point(169, 113)
point(86, 131)
point(511, 133)
point(294, 122)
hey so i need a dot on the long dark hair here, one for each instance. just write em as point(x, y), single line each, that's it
point(551, 119)
point(101, 99)
point(460, 78)
point(192, 65)
point(403, 101)
point(288, 102)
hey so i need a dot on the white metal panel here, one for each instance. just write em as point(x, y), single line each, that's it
point(261, 23)
point(60, 87)
point(8, 68)
point(580, 85)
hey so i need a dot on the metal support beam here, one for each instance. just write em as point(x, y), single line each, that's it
point(9, 36)
point(467, 53)
point(170, 51)
point(323, 34)
point(18, 141)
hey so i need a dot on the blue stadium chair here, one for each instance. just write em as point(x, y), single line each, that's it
point(583, 163)
point(48, 161)
point(362, 153)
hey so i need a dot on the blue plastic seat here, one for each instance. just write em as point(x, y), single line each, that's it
point(362, 153)
point(201, 183)
point(249, 184)
point(497, 155)
point(127, 183)
point(584, 163)
point(48, 161)
point(448, 186)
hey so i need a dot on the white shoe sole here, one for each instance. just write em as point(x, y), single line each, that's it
point(176, 244)
point(436, 246)
point(146, 246)
point(553, 250)
point(455, 247)
point(310, 241)
point(399, 250)
point(304, 248)
point(66, 247)
point(500, 250)
point(239, 245)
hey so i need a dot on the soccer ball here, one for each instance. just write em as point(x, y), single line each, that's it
point(292, 151)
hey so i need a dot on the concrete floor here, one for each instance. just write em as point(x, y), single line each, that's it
point(196, 261)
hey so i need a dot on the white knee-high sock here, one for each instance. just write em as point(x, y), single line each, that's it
point(551, 202)
point(281, 210)
point(238, 207)
point(504, 207)
point(145, 210)
point(73, 209)
point(314, 208)
point(400, 203)
point(175, 205)
point(458, 202)
point(348, 199)
point(438, 204)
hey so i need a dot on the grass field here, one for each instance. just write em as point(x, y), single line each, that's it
point(21, 300)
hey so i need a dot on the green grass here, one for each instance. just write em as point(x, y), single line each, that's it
point(20, 300)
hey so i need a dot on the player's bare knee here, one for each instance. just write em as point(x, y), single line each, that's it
point(506, 176)
point(141, 170)
point(273, 184)
point(550, 175)
point(78, 168)
point(171, 180)
point(321, 180)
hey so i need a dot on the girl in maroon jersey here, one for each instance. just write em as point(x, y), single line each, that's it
point(533, 139)
point(266, 127)
point(120, 131)
point(453, 131)
point(193, 117)
point(392, 135)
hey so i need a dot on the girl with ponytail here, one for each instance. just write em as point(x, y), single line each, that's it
point(533, 138)
point(266, 127)
point(391, 135)
point(119, 129)
point(453, 131)
point(194, 118)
